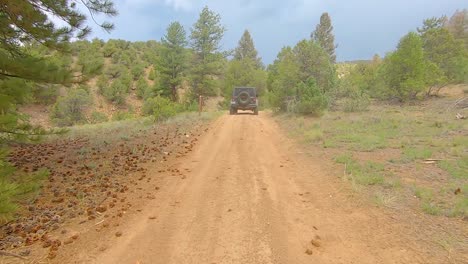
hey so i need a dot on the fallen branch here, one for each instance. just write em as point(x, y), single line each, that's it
point(9, 254)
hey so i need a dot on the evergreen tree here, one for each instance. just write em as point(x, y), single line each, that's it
point(243, 73)
point(205, 37)
point(458, 24)
point(441, 48)
point(246, 49)
point(173, 58)
point(406, 71)
point(323, 35)
point(313, 61)
point(26, 23)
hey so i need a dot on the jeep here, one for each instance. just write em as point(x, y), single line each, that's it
point(244, 98)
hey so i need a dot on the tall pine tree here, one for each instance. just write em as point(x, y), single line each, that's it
point(323, 35)
point(246, 50)
point(205, 37)
point(172, 59)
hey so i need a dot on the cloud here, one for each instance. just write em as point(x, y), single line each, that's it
point(362, 27)
point(179, 4)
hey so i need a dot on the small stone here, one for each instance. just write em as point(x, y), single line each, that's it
point(309, 251)
point(118, 234)
point(52, 254)
point(315, 243)
point(101, 209)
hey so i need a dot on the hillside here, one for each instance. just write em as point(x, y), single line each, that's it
point(120, 75)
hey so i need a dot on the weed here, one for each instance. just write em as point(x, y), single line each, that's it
point(394, 183)
point(423, 193)
point(384, 199)
point(344, 158)
point(457, 169)
point(371, 173)
point(412, 153)
point(460, 208)
point(430, 208)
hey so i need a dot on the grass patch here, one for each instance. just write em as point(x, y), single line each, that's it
point(313, 134)
point(423, 193)
point(369, 173)
point(384, 199)
point(460, 208)
point(430, 208)
point(457, 169)
point(344, 158)
point(415, 153)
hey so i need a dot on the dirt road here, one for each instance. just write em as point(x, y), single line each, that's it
point(248, 195)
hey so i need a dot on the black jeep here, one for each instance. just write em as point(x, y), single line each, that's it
point(244, 98)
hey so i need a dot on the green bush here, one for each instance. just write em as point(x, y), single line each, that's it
point(115, 71)
point(137, 71)
point(69, 110)
point(160, 108)
point(356, 103)
point(143, 90)
point(311, 100)
point(123, 115)
point(97, 117)
point(46, 95)
point(116, 92)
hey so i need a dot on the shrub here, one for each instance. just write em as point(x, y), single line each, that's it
point(116, 92)
point(160, 108)
point(46, 95)
point(97, 117)
point(69, 110)
point(152, 75)
point(311, 100)
point(356, 103)
point(143, 90)
point(123, 115)
point(114, 71)
point(137, 71)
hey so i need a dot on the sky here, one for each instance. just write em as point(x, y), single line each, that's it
point(362, 28)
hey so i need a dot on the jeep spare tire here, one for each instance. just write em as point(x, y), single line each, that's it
point(243, 98)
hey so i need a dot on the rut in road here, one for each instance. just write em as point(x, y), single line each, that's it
point(250, 197)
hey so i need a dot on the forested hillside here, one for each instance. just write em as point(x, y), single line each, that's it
point(119, 79)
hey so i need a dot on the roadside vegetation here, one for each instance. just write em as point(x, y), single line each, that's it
point(406, 152)
point(383, 120)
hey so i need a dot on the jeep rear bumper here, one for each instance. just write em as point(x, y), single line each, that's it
point(244, 107)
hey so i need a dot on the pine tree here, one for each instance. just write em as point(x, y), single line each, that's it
point(173, 58)
point(206, 35)
point(406, 71)
point(458, 24)
point(246, 49)
point(323, 35)
point(443, 49)
point(24, 24)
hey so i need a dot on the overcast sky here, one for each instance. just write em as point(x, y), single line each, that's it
point(362, 27)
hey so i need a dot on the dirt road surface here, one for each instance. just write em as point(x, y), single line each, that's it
point(248, 195)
